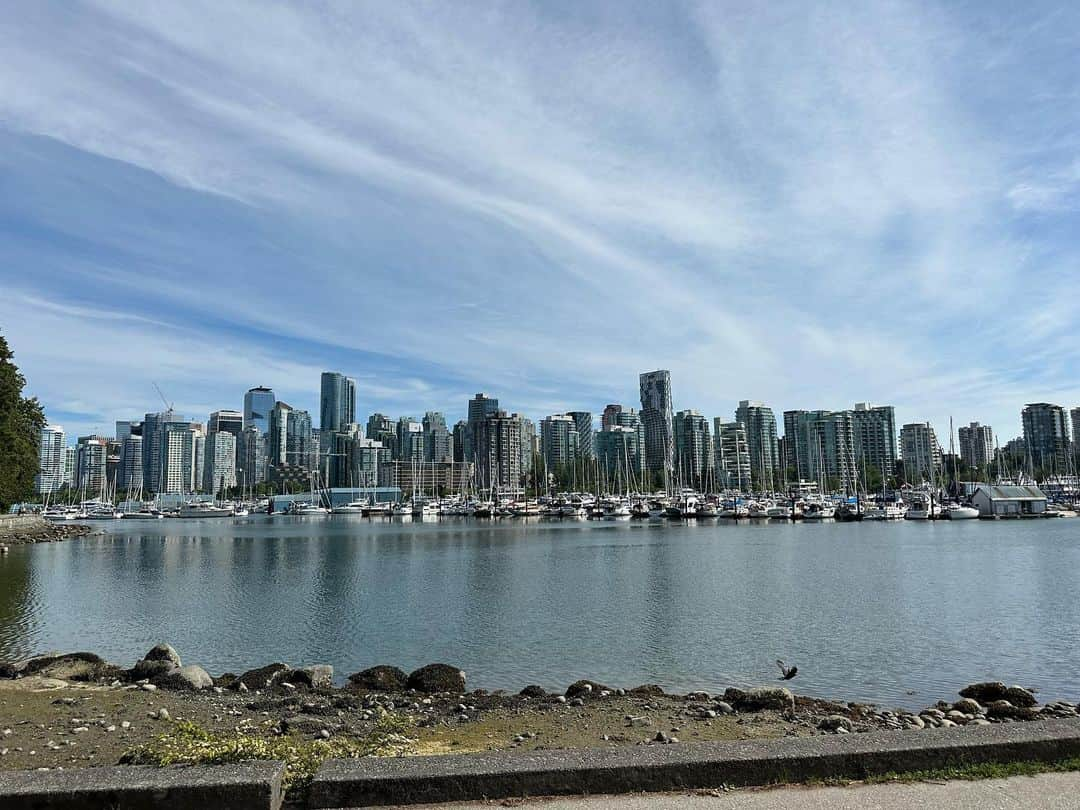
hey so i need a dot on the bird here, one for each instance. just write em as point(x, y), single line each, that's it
point(786, 673)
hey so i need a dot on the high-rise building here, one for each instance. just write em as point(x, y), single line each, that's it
point(258, 402)
point(219, 461)
point(251, 467)
point(920, 451)
point(1074, 414)
point(71, 466)
point(693, 449)
point(656, 416)
point(529, 444)
point(438, 443)
point(480, 407)
point(875, 437)
point(50, 477)
point(1046, 435)
point(558, 441)
point(760, 424)
point(731, 455)
point(131, 456)
point(618, 448)
point(977, 445)
point(822, 447)
point(337, 406)
point(292, 441)
point(154, 427)
point(92, 459)
point(381, 428)
point(277, 450)
point(583, 423)
point(179, 458)
point(410, 440)
point(498, 456)
point(460, 439)
point(227, 422)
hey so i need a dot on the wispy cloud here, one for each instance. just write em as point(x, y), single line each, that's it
point(808, 204)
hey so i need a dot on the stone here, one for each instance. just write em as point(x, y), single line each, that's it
point(1019, 696)
point(560, 698)
point(320, 676)
point(381, 678)
point(263, 677)
point(914, 721)
point(584, 688)
point(577, 702)
point(163, 714)
point(648, 689)
point(968, 706)
point(835, 722)
point(191, 678)
point(766, 697)
point(661, 737)
point(984, 692)
point(723, 707)
point(1003, 709)
point(151, 670)
point(76, 666)
point(533, 691)
point(164, 652)
point(437, 678)
point(699, 696)
point(148, 687)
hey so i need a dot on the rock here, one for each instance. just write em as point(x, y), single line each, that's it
point(163, 714)
point(437, 678)
point(835, 722)
point(1019, 696)
point(698, 696)
point(151, 670)
point(946, 723)
point(76, 666)
point(1003, 709)
point(584, 688)
point(381, 678)
point(148, 687)
point(164, 652)
point(324, 734)
point(263, 677)
point(723, 708)
point(661, 737)
point(190, 678)
point(648, 689)
point(533, 691)
point(766, 697)
point(577, 702)
point(914, 721)
point(320, 676)
point(984, 692)
point(968, 706)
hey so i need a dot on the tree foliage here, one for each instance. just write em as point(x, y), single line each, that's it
point(21, 421)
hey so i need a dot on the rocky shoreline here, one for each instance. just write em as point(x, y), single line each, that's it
point(118, 708)
point(38, 530)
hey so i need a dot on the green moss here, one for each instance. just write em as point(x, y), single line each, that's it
point(188, 743)
point(983, 770)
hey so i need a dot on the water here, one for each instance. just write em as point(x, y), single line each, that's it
point(901, 614)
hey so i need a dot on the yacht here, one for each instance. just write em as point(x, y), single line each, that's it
point(378, 509)
point(782, 511)
point(707, 509)
point(885, 511)
point(732, 509)
point(59, 513)
point(960, 512)
point(685, 506)
point(203, 509)
point(759, 510)
point(350, 508)
point(616, 509)
point(639, 510)
point(923, 508)
point(819, 510)
point(307, 508)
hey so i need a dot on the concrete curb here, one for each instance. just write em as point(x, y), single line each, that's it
point(246, 786)
point(471, 777)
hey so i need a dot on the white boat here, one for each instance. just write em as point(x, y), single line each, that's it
point(379, 509)
point(819, 510)
point(426, 509)
point(203, 509)
point(59, 513)
point(616, 509)
point(958, 512)
point(781, 511)
point(307, 508)
point(921, 509)
point(351, 508)
point(887, 511)
point(685, 506)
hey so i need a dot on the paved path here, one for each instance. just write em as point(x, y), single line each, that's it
point(1056, 791)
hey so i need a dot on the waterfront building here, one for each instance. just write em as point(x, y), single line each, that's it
point(760, 424)
point(656, 416)
point(1046, 436)
point(529, 443)
point(154, 425)
point(92, 459)
point(977, 445)
point(225, 421)
point(619, 450)
point(731, 456)
point(1008, 501)
point(382, 429)
point(219, 462)
point(337, 402)
point(583, 423)
point(179, 458)
point(822, 447)
point(435, 478)
point(875, 437)
point(693, 449)
point(131, 455)
point(251, 467)
point(70, 467)
point(258, 402)
point(558, 441)
point(481, 407)
point(460, 438)
point(50, 477)
point(366, 458)
point(498, 456)
point(920, 451)
point(410, 441)
point(291, 438)
point(1074, 416)
point(112, 462)
point(438, 443)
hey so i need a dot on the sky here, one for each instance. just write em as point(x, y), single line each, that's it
point(809, 204)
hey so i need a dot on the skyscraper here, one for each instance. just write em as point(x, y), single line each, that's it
point(656, 416)
point(154, 428)
point(920, 451)
point(258, 402)
point(618, 448)
point(337, 403)
point(438, 443)
point(558, 441)
point(480, 407)
point(498, 453)
point(460, 439)
point(875, 437)
point(410, 440)
point(1046, 435)
point(760, 424)
point(92, 458)
point(382, 429)
point(219, 462)
point(977, 445)
point(131, 456)
point(50, 477)
point(583, 423)
point(731, 455)
point(821, 446)
point(179, 457)
point(693, 449)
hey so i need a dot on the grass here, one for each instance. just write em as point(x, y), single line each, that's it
point(188, 743)
point(982, 770)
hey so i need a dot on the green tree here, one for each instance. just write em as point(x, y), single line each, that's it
point(21, 421)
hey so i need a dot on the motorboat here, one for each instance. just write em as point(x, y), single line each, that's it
point(203, 509)
point(616, 509)
point(307, 508)
point(707, 509)
point(425, 509)
point(685, 506)
point(885, 511)
point(350, 508)
point(961, 512)
point(639, 510)
point(378, 509)
point(923, 509)
point(819, 510)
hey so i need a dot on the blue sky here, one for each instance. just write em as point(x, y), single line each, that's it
point(808, 204)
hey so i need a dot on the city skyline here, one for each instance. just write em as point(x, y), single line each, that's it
point(677, 194)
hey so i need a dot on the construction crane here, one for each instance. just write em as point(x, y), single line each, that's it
point(168, 405)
